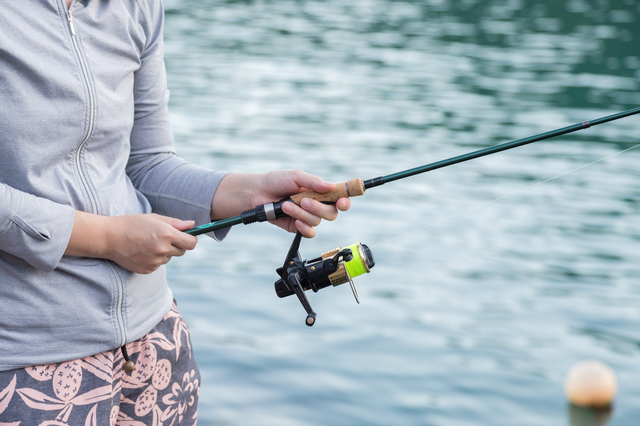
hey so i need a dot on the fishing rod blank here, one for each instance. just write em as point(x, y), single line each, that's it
point(497, 148)
point(356, 187)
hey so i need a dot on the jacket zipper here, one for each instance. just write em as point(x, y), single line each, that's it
point(94, 208)
point(87, 82)
point(123, 339)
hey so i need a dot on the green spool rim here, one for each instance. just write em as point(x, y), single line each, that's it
point(357, 265)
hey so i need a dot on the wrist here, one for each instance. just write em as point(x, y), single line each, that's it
point(105, 243)
point(236, 193)
point(89, 236)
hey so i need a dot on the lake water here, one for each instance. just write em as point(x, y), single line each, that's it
point(492, 277)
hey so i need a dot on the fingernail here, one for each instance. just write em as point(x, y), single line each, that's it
point(286, 207)
point(305, 203)
point(305, 230)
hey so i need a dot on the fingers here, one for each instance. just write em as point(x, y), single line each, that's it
point(343, 204)
point(306, 216)
point(300, 213)
point(143, 243)
point(309, 181)
point(306, 230)
point(310, 213)
point(180, 240)
point(181, 225)
point(171, 241)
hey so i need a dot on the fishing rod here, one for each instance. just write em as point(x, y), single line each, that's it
point(340, 265)
point(356, 187)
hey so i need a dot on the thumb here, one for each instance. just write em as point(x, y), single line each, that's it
point(181, 225)
point(315, 183)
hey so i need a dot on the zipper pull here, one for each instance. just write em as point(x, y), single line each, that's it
point(71, 26)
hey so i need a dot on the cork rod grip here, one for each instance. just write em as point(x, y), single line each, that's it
point(352, 188)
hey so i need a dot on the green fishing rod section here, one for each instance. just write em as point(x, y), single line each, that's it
point(356, 187)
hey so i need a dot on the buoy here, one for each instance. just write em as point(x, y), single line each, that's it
point(591, 383)
point(582, 416)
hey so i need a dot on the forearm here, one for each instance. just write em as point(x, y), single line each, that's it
point(140, 243)
point(234, 194)
point(88, 237)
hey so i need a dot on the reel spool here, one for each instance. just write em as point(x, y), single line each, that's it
point(334, 268)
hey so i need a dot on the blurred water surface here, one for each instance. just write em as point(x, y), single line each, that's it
point(489, 285)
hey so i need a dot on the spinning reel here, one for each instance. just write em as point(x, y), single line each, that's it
point(334, 267)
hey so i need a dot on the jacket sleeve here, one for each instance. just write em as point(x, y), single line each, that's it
point(33, 228)
point(173, 186)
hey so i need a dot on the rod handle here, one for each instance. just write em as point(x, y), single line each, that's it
point(351, 188)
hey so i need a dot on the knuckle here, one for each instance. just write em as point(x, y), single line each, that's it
point(145, 270)
point(166, 232)
point(193, 242)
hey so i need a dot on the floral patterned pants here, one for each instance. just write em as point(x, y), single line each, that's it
point(95, 391)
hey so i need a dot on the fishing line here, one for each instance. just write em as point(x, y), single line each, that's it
point(338, 266)
point(503, 197)
point(356, 187)
point(341, 265)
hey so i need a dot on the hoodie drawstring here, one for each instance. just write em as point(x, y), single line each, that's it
point(128, 364)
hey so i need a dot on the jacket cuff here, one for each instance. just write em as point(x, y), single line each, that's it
point(187, 193)
point(34, 229)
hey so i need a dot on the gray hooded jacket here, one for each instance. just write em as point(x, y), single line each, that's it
point(83, 126)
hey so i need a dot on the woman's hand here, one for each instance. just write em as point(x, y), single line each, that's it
point(241, 191)
point(140, 243)
point(280, 184)
point(143, 243)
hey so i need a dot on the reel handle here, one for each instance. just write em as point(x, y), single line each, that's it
point(352, 188)
point(296, 282)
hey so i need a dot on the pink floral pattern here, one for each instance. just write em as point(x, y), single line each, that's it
point(162, 390)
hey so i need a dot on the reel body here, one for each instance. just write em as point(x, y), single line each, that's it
point(332, 268)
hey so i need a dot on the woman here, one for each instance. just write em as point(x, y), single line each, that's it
point(94, 202)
